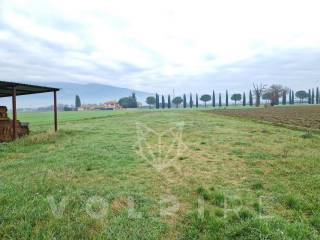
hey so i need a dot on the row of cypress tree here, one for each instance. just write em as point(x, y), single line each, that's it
point(313, 98)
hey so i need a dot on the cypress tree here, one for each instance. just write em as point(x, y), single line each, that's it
point(220, 100)
point(163, 104)
point(135, 103)
point(250, 98)
point(284, 98)
point(184, 101)
point(227, 98)
point(77, 101)
point(157, 101)
point(213, 99)
point(312, 97)
point(317, 96)
point(191, 101)
point(276, 98)
point(197, 101)
point(169, 101)
point(292, 97)
point(244, 100)
point(309, 97)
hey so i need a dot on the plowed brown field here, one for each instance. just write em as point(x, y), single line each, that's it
point(301, 116)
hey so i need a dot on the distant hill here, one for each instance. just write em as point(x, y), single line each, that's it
point(89, 93)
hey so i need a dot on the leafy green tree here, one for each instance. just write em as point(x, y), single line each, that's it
point(197, 101)
point(302, 95)
point(184, 101)
point(157, 101)
point(317, 96)
point(309, 97)
point(220, 100)
point(163, 102)
point(177, 101)
point(236, 97)
point(77, 101)
point(191, 101)
point(250, 99)
point(267, 96)
point(227, 98)
point(128, 102)
point(244, 99)
point(213, 99)
point(151, 101)
point(67, 108)
point(205, 98)
point(169, 101)
point(274, 92)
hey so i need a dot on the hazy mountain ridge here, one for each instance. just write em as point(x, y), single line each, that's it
point(89, 93)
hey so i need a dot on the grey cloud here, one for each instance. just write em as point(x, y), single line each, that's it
point(298, 69)
point(35, 59)
point(18, 61)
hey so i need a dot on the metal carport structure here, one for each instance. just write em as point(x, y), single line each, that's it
point(13, 89)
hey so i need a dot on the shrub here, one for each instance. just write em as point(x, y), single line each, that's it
point(307, 135)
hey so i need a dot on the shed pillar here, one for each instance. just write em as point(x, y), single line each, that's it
point(14, 113)
point(55, 111)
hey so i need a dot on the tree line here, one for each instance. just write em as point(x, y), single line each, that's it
point(273, 95)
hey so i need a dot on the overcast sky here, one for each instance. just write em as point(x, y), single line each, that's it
point(158, 45)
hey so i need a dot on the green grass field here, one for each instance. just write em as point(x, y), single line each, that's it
point(179, 174)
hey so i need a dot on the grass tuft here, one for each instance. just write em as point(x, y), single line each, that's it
point(292, 202)
point(315, 222)
point(203, 193)
point(218, 199)
point(257, 185)
point(245, 214)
